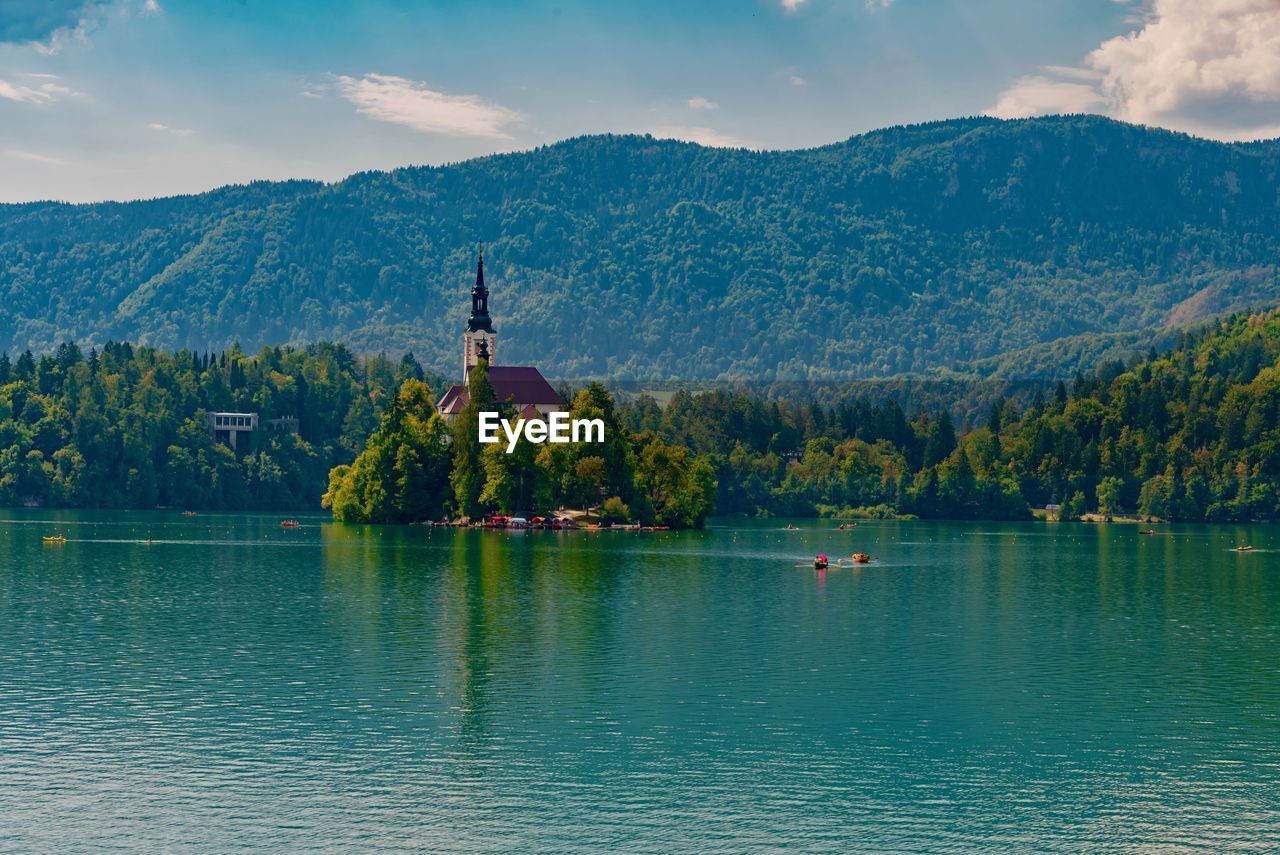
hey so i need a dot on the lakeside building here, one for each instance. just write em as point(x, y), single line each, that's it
point(521, 386)
point(227, 427)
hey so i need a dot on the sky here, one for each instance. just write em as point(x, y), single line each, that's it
point(126, 99)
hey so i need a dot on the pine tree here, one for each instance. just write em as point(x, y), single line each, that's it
point(940, 440)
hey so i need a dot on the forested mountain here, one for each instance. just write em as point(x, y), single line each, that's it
point(1193, 434)
point(629, 257)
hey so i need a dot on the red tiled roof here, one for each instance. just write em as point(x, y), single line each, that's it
point(523, 385)
point(453, 401)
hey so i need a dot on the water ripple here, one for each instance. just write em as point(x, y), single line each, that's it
point(993, 687)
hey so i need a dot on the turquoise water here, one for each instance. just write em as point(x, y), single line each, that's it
point(980, 686)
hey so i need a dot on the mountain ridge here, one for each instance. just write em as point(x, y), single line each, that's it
point(903, 249)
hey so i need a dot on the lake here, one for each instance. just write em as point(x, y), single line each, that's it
point(236, 685)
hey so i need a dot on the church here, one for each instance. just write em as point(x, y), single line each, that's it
point(522, 386)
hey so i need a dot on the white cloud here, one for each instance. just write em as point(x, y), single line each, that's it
point(41, 90)
point(1210, 67)
point(34, 157)
point(1038, 95)
point(159, 126)
point(702, 136)
point(872, 5)
point(1071, 72)
point(400, 101)
point(49, 25)
point(697, 102)
point(36, 21)
point(792, 75)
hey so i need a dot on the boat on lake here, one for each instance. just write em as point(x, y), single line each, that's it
point(54, 538)
point(289, 523)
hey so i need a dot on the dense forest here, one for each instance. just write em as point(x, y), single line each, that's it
point(1191, 434)
point(905, 249)
point(125, 427)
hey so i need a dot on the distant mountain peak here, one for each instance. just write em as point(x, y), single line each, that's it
point(902, 249)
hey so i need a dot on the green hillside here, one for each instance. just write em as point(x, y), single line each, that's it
point(1193, 434)
point(901, 250)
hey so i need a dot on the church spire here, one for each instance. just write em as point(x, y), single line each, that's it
point(480, 301)
point(480, 339)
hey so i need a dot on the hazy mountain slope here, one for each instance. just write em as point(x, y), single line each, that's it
point(900, 250)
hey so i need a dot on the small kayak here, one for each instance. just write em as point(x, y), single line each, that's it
point(1244, 549)
point(289, 523)
point(55, 538)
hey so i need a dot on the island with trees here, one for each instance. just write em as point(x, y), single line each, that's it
point(416, 467)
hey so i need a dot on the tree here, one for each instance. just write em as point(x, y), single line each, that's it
point(1109, 491)
point(514, 482)
point(467, 477)
point(678, 487)
point(1072, 507)
point(940, 439)
point(957, 489)
point(589, 480)
point(614, 510)
point(403, 473)
point(409, 369)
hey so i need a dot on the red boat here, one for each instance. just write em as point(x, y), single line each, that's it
point(289, 523)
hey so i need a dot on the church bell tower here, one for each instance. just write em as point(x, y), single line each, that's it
point(479, 325)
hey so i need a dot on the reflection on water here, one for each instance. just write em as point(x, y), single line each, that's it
point(1035, 686)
